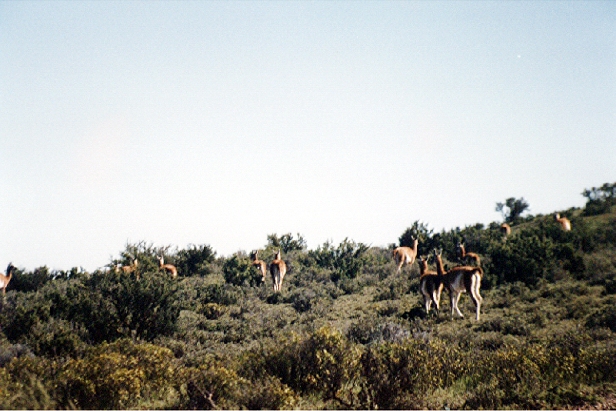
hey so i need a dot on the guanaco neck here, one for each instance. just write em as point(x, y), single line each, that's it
point(440, 270)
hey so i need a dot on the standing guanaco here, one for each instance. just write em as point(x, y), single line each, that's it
point(278, 269)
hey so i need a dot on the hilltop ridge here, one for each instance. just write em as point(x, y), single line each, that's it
point(346, 331)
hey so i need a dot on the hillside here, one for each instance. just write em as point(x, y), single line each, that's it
point(347, 331)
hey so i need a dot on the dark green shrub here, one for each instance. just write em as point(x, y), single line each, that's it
point(422, 233)
point(56, 338)
point(525, 258)
point(600, 199)
point(512, 209)
point(286, 243)
point(30, 281)
point(238, 270)
point(345, 261)
point(301, 299)
point(601, 266)
point(21, 312)
point(106, 305)
point(147, 307)
point(195, 260)
point(603, 318)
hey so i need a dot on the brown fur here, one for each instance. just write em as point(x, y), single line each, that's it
point(127, 269)
point(5, 279)
point(459, 280)
point(278, 269)
point(469, 256)
point(170, 268)
point(430, 285)
point(505, 229)
point(405, 255)
point(259, 264)
point(563, 221)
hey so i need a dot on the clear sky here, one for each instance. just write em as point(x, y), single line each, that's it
point(221, 122)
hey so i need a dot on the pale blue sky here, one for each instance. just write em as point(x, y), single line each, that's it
point(219, 123)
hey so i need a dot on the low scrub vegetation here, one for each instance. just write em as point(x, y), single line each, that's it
point(346, 332)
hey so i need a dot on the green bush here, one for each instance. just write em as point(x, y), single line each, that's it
point(28, 383)
point(600, 199)
point(238, 270)
point(323, 363)
point(195, 260)
point(525, 257)
point(286, 243)
point(605, 317)
point(397, 375)
point(216, 386)
point(116, 376)
point(345, 261)
point(27, 282)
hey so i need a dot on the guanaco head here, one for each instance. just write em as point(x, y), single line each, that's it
point(437, 257)
point(254, 255)
point(423, 263)
point(9, 269)
point(277, 256)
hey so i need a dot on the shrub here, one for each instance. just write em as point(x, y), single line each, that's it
point(603, 318)
point(117, 375)
point(238, 270)
point(374, 330)
point(601, 266)
point(286, 243)
point(30, 281)
point(195, 260)
point(56, 338)
point(103, 307)
point(302, 299)
point(28, 383)
point(268, 393)
point(422, 233)
point(396, 375)
point(147, 307)
point(512, 209)
point(525, 257)
point(323, 363)
point(345, 261)
point(509, 377)
point(211, 386)
point(600, 199)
